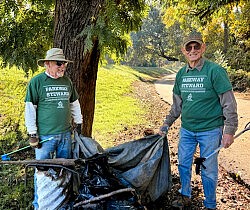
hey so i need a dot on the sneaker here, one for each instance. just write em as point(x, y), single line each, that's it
point(182, 201)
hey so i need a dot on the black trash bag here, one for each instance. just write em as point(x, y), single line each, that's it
point(96, 178)
point(97, 181)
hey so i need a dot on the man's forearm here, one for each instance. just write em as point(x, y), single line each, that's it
point(229, 107)
point(175, 111)
point(76, 112)
point(30, 117)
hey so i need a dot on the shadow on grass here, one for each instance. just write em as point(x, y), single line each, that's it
point(155, 72)
point(147, 74)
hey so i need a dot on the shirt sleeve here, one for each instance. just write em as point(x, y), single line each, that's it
point(76, 112)
point(74, 95)
point(30, 117)
point(229, 107)
point(221, 82)
point(32, 91)
point(175, 110)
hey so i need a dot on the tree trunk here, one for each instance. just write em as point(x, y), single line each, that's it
point(226, 37)
point(71, 17)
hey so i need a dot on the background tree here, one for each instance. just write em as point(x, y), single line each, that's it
point(154, 43)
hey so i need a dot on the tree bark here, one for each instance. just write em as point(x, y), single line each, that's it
point(226, 36)
point(71, 17)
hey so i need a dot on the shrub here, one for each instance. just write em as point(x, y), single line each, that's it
point(240, 79)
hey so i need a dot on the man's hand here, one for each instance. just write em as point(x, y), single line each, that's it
point(227, 140)
point(164, 130)
point(34, 141)
point(79, 129)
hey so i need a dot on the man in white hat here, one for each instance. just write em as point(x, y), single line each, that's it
point(203, 96)
point(50, 104)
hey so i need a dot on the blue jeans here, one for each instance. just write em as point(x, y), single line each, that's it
point(208, 141)
point(58, 147)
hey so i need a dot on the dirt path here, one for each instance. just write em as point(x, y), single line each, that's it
point(236, 158)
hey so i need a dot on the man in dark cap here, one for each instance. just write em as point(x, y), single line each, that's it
point(51, 103)
point(203, 96)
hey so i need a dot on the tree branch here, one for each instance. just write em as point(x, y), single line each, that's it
point(98, 198)
point(58, 161)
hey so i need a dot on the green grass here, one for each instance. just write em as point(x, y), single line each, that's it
point(14, 194)
point(116, 107)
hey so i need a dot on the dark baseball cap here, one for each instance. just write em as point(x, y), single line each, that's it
point(193, 36)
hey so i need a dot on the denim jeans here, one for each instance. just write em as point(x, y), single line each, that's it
point(208, 141)
point(58, 147)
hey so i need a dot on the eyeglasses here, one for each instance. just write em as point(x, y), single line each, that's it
point(188, 48)
point(59, 63)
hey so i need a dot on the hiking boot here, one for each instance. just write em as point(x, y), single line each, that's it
point(181, 202)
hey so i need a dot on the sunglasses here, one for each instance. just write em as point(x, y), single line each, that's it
point(188, 48)
point(59, 63)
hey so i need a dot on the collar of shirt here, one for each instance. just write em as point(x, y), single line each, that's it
point(49, 75)
point(198, 66)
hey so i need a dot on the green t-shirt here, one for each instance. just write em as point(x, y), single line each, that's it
point(53, 98)
point(199, 90)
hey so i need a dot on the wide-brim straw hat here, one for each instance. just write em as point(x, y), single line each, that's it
point(54, 54)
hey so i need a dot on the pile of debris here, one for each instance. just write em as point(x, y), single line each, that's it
point(127, 176)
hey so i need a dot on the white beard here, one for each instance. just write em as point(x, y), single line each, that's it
point(60, 74)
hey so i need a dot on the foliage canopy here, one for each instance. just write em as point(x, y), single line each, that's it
point(27, 29)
